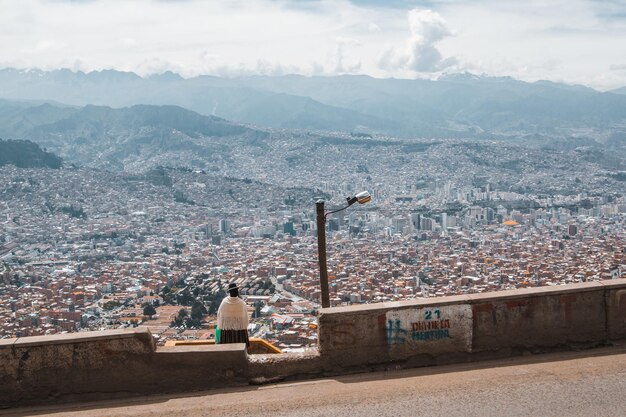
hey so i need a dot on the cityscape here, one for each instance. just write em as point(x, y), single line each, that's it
point(312, 208)
point(87, 249)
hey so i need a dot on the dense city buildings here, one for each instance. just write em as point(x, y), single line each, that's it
point(84, 249)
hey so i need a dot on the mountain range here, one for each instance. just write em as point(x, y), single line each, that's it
point(141, 137)
point(111, 138)
point(456, 106)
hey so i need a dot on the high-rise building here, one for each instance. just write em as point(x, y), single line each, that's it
point(416, 219)
point(490, 215)
point(225, 226)
point(288, 228)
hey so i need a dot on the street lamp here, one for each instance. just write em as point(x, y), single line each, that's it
point(361, 198)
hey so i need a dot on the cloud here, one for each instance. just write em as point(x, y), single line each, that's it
point(209, 63)
point(268, 36)
point(527, 40)
point(128, 42)
point(373, 27)
point(49, 45)
point(343, 64)
point(420, 53)
point(45, 46)
point(157, 66)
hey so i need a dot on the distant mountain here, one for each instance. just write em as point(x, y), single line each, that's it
point(26, 154)
point(140, 138)
point(458, 105)
point(114, 138)
point(222, 97)
point(621, 90)
point(462, 104)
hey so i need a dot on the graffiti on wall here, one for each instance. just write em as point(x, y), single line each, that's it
point(430, 325)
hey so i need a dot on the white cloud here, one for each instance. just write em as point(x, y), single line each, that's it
point(571, 40)
point(373, 27)
point(49, 45)
point(128, 42)
point(420, 53)
point(151, 35)
point(44, 46)
point(343, 63)
point(156, 66)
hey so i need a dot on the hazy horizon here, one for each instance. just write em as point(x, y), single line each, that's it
point(573, 42)
point(236, 76)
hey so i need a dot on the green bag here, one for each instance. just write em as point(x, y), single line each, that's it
point(218, 333)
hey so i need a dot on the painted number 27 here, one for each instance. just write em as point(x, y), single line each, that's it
point(428, 314)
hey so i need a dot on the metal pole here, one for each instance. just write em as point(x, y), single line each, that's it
point(321, 252)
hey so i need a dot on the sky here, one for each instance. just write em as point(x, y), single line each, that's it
point(571, 41)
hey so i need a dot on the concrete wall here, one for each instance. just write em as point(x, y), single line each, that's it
point(441, 330)
point(109, 364)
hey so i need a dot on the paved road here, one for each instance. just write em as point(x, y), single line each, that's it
point(589, 383)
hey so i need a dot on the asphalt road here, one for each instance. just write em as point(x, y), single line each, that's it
point(587, 383)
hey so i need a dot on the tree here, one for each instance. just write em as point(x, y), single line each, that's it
point(72, 211)
point(184, 298)
point(213, 306)
point(216, 299)
point(179, 320)
point(168, 298)
point(110, 305)
point(197, 311)
point(149, 310)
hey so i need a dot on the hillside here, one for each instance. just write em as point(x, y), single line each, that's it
point(26, 154)
point(139, 138)
point(120, 138)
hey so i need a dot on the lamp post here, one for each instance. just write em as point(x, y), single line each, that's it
point(361, 198)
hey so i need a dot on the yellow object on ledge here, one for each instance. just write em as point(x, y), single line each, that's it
point(257, 345)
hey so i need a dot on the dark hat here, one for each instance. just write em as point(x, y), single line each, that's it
point(232, 286)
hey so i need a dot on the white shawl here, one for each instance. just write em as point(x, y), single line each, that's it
point(232, 314)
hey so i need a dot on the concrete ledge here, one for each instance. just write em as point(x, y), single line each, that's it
point(122, 363)
point(369, 308)
point(273, 368)
point(475, 298)
point(198, 367)
point(97, 365)
point(459, 328)
point(82, 337)
point(234, 347)
point(214, 356)
point(539, 319)
point(613, 283)
point(7, 343)
point(615, 300)
point(537, 291)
